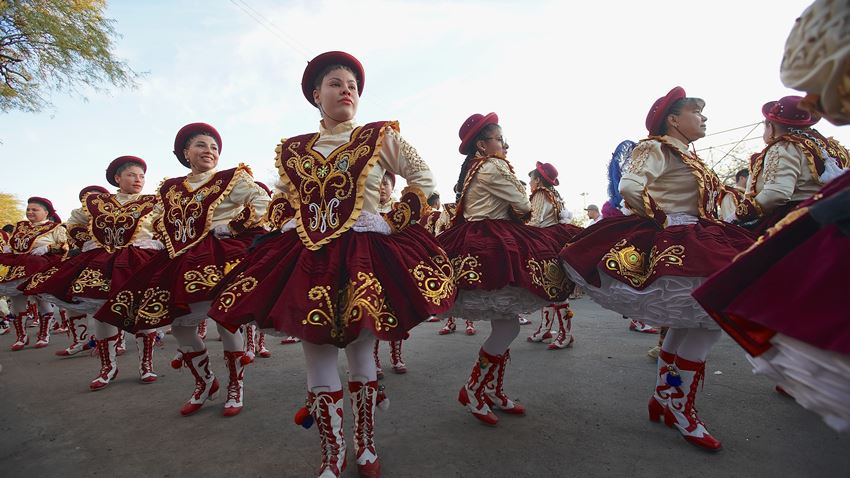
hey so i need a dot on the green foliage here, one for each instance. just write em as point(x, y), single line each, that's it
point(56, 45)
point(10, 209)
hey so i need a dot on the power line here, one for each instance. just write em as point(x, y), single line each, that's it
point(733, 129)
point(269, 26)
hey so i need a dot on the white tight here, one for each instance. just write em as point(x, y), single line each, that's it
point(102, 330)
point(502, 333)
point(690, 344)
point(188, 338)
point(321, 360)
point(19, 305)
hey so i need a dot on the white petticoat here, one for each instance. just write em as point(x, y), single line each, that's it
point(10, 289)
point(667, 302)
point(500, 304)
point(819, 380)
point(197, 314)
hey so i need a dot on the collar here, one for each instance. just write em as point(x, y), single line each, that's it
point(199, 178)
point(344, 127)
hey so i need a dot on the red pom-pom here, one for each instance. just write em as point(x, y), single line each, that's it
point(246, 359)
point(303, 417)
point(177, 361)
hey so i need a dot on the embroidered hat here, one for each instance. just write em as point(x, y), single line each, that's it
point(116, 163)
point(470, 128)
point(187, 132)
point(548, 172)
point(264, 187)
point(92, 189)
point(316, 65)
point(787, 112)
point(817, 58)
point(658, 113)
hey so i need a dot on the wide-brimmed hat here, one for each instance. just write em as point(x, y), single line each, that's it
point(786, 111)
point(116, 163)
point(658, 113)
point(187, 132)
point(316, 65)
point(472, 126)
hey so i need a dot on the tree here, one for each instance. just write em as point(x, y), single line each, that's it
point(10, 209)
point(56, 45)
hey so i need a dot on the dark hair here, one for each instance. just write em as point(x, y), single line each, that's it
point(126, 165)
point(199, 133)
point(433, 198)
point(745, 173)
point(676, 109)
point(317, 81)
point(466, 162)
point(8, 228)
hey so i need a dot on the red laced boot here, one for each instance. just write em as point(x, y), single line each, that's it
point(21, 337)
point(363, 399)
point(202, 329)
point(395, 356)
point(494, 392)
point(79, 330)
point(145, 342)
point(206, 385)
point(544, 330)
point(658, 400)
point(449, 327)
point(565, 337)
point(250, 344)
point(375, 353)
point(472, 395)
point(236, 371)
point(325, 408)
point(108, 363)
point(681, 411)
point(43, 338)
point(261, 349)
point(121, 346)
point(61, 326)
point(470, 328)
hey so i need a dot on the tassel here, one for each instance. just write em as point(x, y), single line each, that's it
point(673, 379)
point(303, 418)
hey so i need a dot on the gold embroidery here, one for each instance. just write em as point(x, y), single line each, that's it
point(230, 265)
point(415, 163)
point(549, 276)
point(466, 268)
point(184, 210)
point(25, 234)
point(90, 279)
point(39, 278)
point(361, 298)
point(199, 280)
point(241, 285)
point(152, 307)
point(638, 158)
point(507, 172)
point(10, 273)
point(117, 223)
point(435, 281)
point(632, 264)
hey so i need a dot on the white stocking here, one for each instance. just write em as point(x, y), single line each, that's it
point(697, 344)
point(361, 363)
point(188, 338)
point(232, 342)
point(502, 333)
point(322, 371)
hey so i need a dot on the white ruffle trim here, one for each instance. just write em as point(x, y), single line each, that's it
point(90, 245)
point(680, 218)
point(500, 304)
point(197, 313)
point(667, 302)
point(371, 222)
point(288, 225)
point(10, 289)
point(151, 244)
point(819, 380)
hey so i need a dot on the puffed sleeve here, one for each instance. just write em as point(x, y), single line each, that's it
point(498, 180)
point(783, 165)
point(646, 164)
point(254, 200)
point(541, 208)
point(400, 157)
point(78, 218)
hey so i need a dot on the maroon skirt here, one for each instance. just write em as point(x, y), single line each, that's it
point(14, 268)
point(795, 281)
point(88, 274)
point(386, 284)
point(163, 288)
point(493, 254)
point(647, 272)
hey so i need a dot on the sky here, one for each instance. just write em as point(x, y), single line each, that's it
point(569, 81)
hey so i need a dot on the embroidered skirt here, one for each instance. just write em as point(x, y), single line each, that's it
point(83, 281)
point(633, 266)
point(503, 269)
point(16, 268)
point(785, 302)
point(386, 284)
point(163, 290)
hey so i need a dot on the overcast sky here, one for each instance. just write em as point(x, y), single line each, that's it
point(569, 81)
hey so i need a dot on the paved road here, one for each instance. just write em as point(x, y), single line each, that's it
point(587, 416)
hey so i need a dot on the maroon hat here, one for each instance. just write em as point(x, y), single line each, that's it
point(658, 113)
point(316, 65)
point(787, 112)
point(187, 132)
point(264, 187)
point(548, 172)
point(116, 163)
point(51, 211)
point(92, 189)
point(470, 128)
